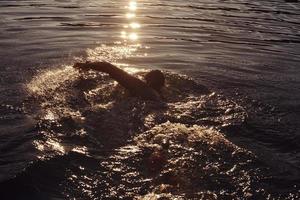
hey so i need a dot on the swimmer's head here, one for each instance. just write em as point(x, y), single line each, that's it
point(155, 79)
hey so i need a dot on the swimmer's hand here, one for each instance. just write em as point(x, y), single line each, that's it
point(98, 66)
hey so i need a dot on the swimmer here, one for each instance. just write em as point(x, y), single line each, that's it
point(150, 89)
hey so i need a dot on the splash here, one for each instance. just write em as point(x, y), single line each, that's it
point(50, 80)
point(118, 145)
point(173, 161)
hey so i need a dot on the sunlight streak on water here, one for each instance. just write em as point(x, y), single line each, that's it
point(130, 32)
point(132, 70)
point(130, 15)
point(135, 25)
point(235, 44)
point(133, 36)
point(111, 53)
point(132, 5)
point(121, 49)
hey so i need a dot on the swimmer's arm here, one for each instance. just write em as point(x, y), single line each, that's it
point(131, 83)
point(123, 78)
point(97, 66)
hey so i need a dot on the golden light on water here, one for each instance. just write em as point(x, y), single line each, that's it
point(112, 53)
point(123, 34)
point(134, 25)
point(132, 70)
point(132, 5)
point(130, 30)
point(133, 36)
point(130, 15)
point(130, 36)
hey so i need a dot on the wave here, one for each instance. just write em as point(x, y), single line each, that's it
point(98, 142)
point(92, 140)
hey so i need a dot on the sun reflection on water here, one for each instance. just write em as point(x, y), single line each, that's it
point(132, 5)
point(127, 46)
point(112, 53)
point(134, 25)
point(133, 36)
point(130, 15)
point(130, 30)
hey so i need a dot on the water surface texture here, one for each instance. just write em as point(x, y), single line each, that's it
point(71, 135)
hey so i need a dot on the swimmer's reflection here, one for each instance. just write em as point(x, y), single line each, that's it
point(150, 89)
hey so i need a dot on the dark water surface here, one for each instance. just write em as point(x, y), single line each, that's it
point(66, 135)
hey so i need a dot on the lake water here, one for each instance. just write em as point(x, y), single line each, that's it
point(67, 135)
